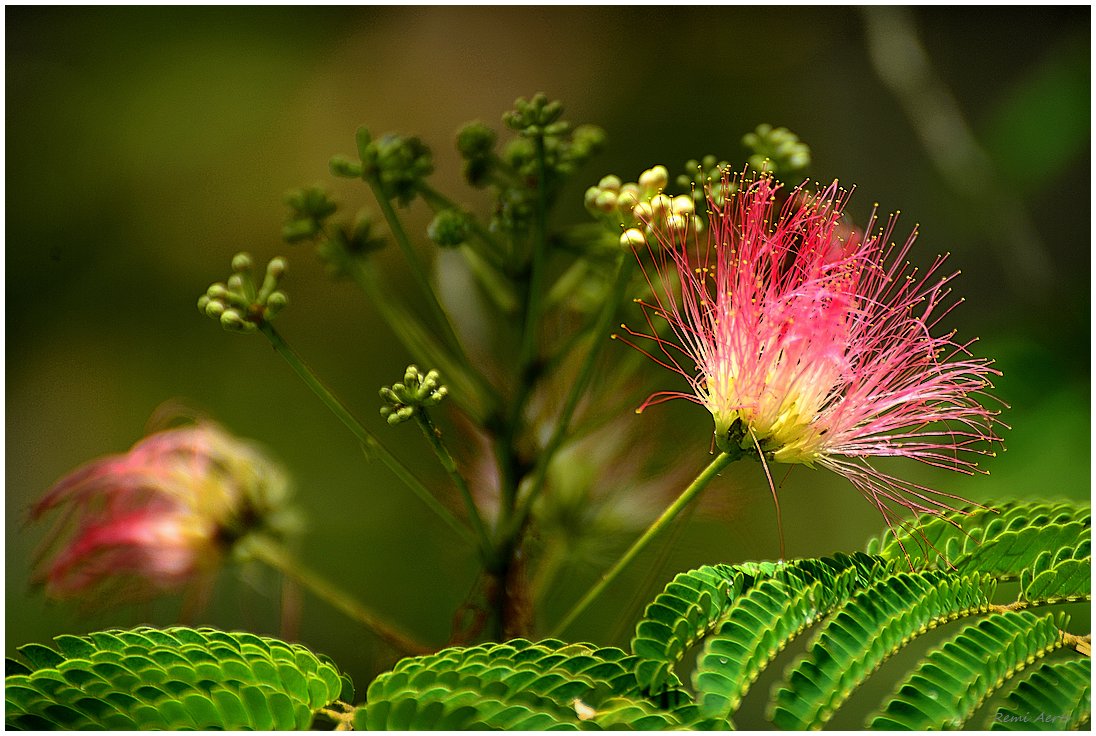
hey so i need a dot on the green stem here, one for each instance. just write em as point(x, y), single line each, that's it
point(540, 247)
point(471, 390)
point(280, 559)
point(578, 387)
point(721, 461)
point(418, 270)
point(433, 435)
point(371, 444)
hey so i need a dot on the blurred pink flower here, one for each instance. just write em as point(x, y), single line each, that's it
point(157, 518)
point(812, 343)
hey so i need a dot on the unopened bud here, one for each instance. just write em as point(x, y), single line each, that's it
point(660, 205)
point(654, 178)
point(606, 201)
point(241, 263)
point(632, 238)
point(683, 204)
point(610, 182)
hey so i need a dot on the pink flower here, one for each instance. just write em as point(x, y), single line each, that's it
point(157, 518)
point(813, 343)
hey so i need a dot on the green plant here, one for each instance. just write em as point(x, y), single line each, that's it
point(1002, 664)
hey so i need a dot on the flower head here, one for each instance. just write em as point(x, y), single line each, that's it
point(159, 517)
point(813, 343)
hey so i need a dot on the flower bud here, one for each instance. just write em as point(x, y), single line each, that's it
point(610, 182)
point(632, 238)
point(654, 178)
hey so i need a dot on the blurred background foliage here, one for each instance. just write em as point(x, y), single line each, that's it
point(146, 146)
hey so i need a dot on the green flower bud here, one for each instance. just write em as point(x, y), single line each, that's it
point(362, 139)
point(654, 179)
point(448, 229)
point(683, 204)
point(660, 205)
point(628, 198)
point(298, 230)
point(343, 167)
point(610, 182)
point(632, 238)
point(241, 263)
point(606, 202)
point(475, 140)
point(234, 321)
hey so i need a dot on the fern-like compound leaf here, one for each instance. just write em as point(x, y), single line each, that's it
point(1054, 697)
point(518, 685)
point(175, 678)
point(691, 605)
point(955, 679)
point(764, 619)
point(1002, 540)
point(865, 631)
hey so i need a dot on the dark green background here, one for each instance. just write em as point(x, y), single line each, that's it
point(146, 146)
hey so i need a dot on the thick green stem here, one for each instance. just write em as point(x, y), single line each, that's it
point(540, 248)
point(721, 461)
point(280, 559)
point(578, 387)
point(370, 443)
point(433, 435)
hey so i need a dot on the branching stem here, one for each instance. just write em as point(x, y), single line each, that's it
point(370, 443)
point(433, 436)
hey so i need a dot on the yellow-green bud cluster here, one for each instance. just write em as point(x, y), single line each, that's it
point(777, 151)
point(417, 391)
point(642, 208)
point(237, 304)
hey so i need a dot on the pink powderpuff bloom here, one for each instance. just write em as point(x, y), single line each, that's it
point(813, 343)
point(158, 518)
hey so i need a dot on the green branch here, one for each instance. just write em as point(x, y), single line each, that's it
point(578, 387)
point(418, 270)
point(368, 440)
point(433, 435)
point(721, 461)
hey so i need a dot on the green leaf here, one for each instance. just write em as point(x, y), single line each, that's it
point(691, 605)
point(171, 678)
point(1054, 697)
point(515, 685)
point(956, 678)
point(764, 619)
point(865, 631)
point(1002, 541)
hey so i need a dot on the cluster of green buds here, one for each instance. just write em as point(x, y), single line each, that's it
point(704, 178)
point(642, 208)
point(395, 163)
point(310, 209)
point(544, 142)
point(237, 304)
point(777, 151)
point(417, 391)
